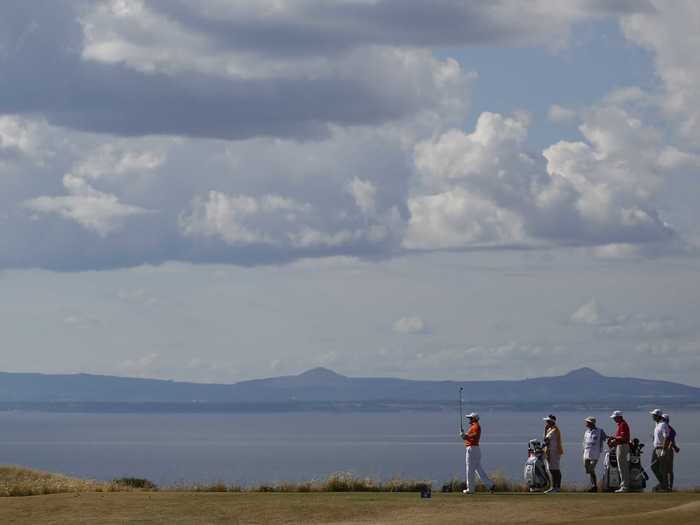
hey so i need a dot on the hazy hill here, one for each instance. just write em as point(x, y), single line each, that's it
point(320, 385)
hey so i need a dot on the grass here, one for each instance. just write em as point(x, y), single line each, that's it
point(342, 498)
point(338, 482)
point(196, 508)
point(19, 481)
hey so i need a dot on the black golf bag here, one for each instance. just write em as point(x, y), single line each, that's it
point(611, 472)
point(536, 476)
point(638, 476)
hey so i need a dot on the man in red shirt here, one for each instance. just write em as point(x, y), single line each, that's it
point(472, 438)
point(622, 449)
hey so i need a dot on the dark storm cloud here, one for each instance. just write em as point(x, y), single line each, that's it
point(320, 26)
point(41, 45)
point(46, 75)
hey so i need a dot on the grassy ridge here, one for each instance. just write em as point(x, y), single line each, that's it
point(20, 481)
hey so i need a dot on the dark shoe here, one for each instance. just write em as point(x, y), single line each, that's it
point(492, 489)
point(593, 489)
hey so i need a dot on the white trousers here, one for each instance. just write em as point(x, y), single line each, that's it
point(473, 459)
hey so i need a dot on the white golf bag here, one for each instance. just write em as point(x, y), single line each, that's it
point(536, 476)
point(611, 473)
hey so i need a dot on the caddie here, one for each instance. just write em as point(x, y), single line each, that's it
point(593, 440)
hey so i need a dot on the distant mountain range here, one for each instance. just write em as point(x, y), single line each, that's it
point(323, 388)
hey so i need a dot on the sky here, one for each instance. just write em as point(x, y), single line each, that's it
point(221, 190)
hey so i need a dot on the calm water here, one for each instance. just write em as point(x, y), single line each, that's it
point(248, 448)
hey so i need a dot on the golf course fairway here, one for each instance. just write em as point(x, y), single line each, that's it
point(181, 508)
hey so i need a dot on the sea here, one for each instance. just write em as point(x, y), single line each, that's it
point(251, 448)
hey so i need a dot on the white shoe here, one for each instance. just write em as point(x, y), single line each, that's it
point(552, 491)
point(623, 489)
point(465, 491)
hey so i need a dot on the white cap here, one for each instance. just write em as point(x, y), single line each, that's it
point(615, 414)
point(472, 415)
point(550, 419)
point(656, 412)
point(590, 419)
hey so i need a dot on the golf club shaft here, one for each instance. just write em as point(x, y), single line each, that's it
point(461, 418)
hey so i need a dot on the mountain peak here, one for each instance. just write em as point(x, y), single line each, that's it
point(321, 373)
point(584, 373)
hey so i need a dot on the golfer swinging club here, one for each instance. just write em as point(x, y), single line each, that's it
point(471, 438)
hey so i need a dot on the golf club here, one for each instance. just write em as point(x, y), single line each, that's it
point(461, 418)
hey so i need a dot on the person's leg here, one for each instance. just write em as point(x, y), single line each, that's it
point(481, 472)
point(554, 471)
point(667, 468)
point(671, 456)
point(589, 465)
point(551, 467)
point(623, 465)
point(471, 482)
point(657, 468)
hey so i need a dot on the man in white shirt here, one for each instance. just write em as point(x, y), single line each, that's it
point(593, 440)
point(660, 456)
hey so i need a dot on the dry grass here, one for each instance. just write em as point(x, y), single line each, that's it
point(181, 508)
point(338, 482)
point(20, 481)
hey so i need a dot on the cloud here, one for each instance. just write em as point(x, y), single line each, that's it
point(140, 366)
point(485, 188)
point(15, 136)
point(364, 193)
point(135, 68)
point(94, 210)
point(208, 68)
point(137, 296)
point(635, 326)
point(410, 325)
point(672, 158)
point(589, 314)
point(557, 113)
point(81, 321)
point(670, 33)
point(226, 217)
point(342, 136)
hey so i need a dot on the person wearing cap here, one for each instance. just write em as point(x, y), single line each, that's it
point(621, 439)
point(593, 439)
point(662, 451)
point(671, 451)
point(472, 438)
point(553, 452)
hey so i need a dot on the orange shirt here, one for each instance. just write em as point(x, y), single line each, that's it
point(472, 435)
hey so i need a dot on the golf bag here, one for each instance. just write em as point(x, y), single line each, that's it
point(535, 473)
point(611, 473)
point(638, 476)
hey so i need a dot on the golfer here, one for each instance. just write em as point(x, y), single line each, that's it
point(662, 451)
point(471, 438)
point(593, 439)
point(553, 452)
point(671, 451)
point(621, 440)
